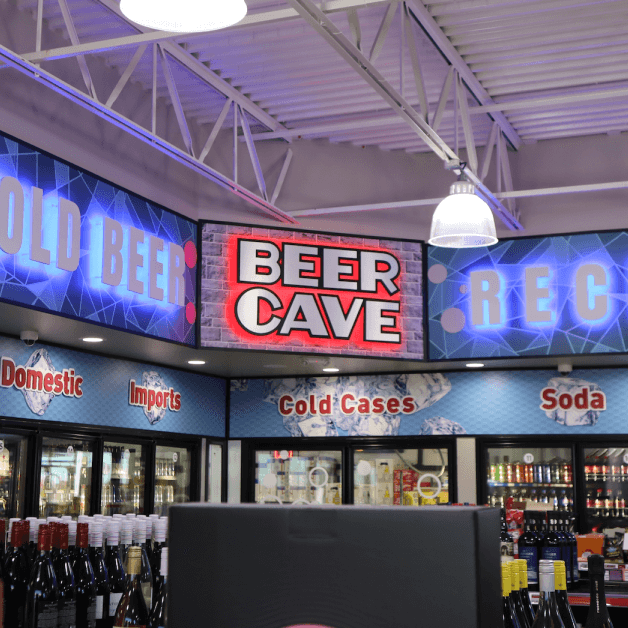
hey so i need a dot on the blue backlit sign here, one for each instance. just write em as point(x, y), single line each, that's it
point(73, 244)
point(560, 295)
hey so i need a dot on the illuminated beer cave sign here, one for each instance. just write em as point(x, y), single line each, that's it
point(491, 306)
point(338, 294)
point(45, 232)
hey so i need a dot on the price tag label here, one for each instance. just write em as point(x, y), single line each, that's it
point(528, 458)
point(175, 456)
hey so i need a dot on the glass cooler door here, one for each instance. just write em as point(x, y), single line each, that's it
point(173, 476)
point(13, 450)
point(537, 474)
point(66, 477)
point(401, 477)
point(123, 478)
point(606, 487)
point(298, 477)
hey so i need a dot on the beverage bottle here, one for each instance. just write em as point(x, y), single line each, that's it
point(159, 527)
point(159, 613)
point(544, 499)
point(3, 529)
point(149, 539)
point(566, 550)
point(509, 470)
point(529, 550)
point(553, 499)
point(32, 538)
point(501, 472)
point(509, 614)
point(65, 579)
point(101, 577)
point(131, 611)
point(84, 580)
point(507, 545)
point(146, 576)
point(515, 594)
point(42, 608)
point(573, 541)
point(547, 616)
point(72, 548)
point(562, 600)
point(598, 616)
point(553, 543)
point(115, 570)
point(524, 592)
point(16, 578)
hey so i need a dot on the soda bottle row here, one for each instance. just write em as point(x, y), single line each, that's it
point(561, 499)
point(606, 503)
point(100, 572)
point(606, 472)
point(506, 472)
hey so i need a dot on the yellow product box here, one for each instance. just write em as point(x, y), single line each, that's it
point(411, 498)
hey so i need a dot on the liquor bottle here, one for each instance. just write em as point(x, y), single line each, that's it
point(553, 543)
point(523, 588)
point(159, 526)
point(42, 594)
point(507, 544)
point(146, 576)
point(16, 578)
point(3, 529)
point(149, 539)
point(508, 609)
point(72, 549)
point(562, 600)
point(115, 570)
point(529, 550)
point(32, 538)
point(159, 613)
point(84, 580)
point(65, 579)
point(515, 594)
point(547, 616)
point(131, 611)
point(573, 541)
point(598, 616)
point(566, 546)
point(100, 575)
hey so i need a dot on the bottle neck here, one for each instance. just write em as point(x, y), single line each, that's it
point(597, 604)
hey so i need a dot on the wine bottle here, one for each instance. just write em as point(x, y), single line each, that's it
point(84, 580)
point(575, 575)
point(101, 576)
point(115, 570)
point(159, 613)
point(131, 611)
point(65, 578)
point(3, 534)
point(523, 588)
point(553, 543)
point(42, 610)
point(159, 527)
point(562, 600)
point(508, 609)
point(598, 616)
point(507, 545)
point(566, 543)
point(529, 550)
point(16, 578)
point(146, 576)
point(515, 594)
point(547, 616)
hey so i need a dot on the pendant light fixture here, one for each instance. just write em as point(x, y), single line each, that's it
point(184, 16)
point(462, 220)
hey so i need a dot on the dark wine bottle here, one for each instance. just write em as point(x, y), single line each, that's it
point(65, 578)
point(131, 611)
point(508, 609)
point(42, 610)
point(84, 580)
point(115, 570)
point(507, 545)
point(547, 616)
point(562, 599)
point(16, 577)
point(159, 613)
point(3, 536)
point(146, 576)
point(515, 594)
point(566, 543)
point(529, 550)
point(100, 576)
point(598, 616)
point(553, 543)
point(525, 593)
point(2, 624)
point(25, 527)
point(159, 528)
point(575, 575)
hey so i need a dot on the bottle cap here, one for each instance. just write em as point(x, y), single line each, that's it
point(139, 531)
point(43, 538)
point(134, 560)
point(16, 533)
point(25, 536)
point(95, 535)
point(72, 526)
point(164, 561)
point(546, 566)
point(3, 529)
point(82, 535)
point(160, 531)
point(596, 565)
point(55, 534)
point(560, 575)
point(149, 529)
point(506, 584)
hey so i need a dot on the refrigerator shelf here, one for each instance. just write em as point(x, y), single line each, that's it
point(166, 478)
point(528, 484)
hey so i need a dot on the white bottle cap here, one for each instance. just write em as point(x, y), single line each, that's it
point(95, 535)
point(139, 532)
point(149, 528)
point(72, 533)
point(160, 531)
point(66, 518)
point(164, 561)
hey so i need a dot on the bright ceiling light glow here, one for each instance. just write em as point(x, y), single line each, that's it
point(331, 369)
point(196, 362)
point(184, 16)
point(475, 365)
point(92, 339)
point(462, 220)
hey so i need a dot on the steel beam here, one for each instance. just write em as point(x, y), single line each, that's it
point(73, 94)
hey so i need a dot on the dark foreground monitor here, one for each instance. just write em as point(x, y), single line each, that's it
point(256, 566)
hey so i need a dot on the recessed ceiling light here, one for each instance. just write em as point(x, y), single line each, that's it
point(92, 339)
point(196, 362)
point(475, 365)
point(331, 369)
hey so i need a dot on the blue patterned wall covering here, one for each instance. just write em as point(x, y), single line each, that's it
point(452, 336)
point(105, 388)
point(81, 293)
point(494, 402)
